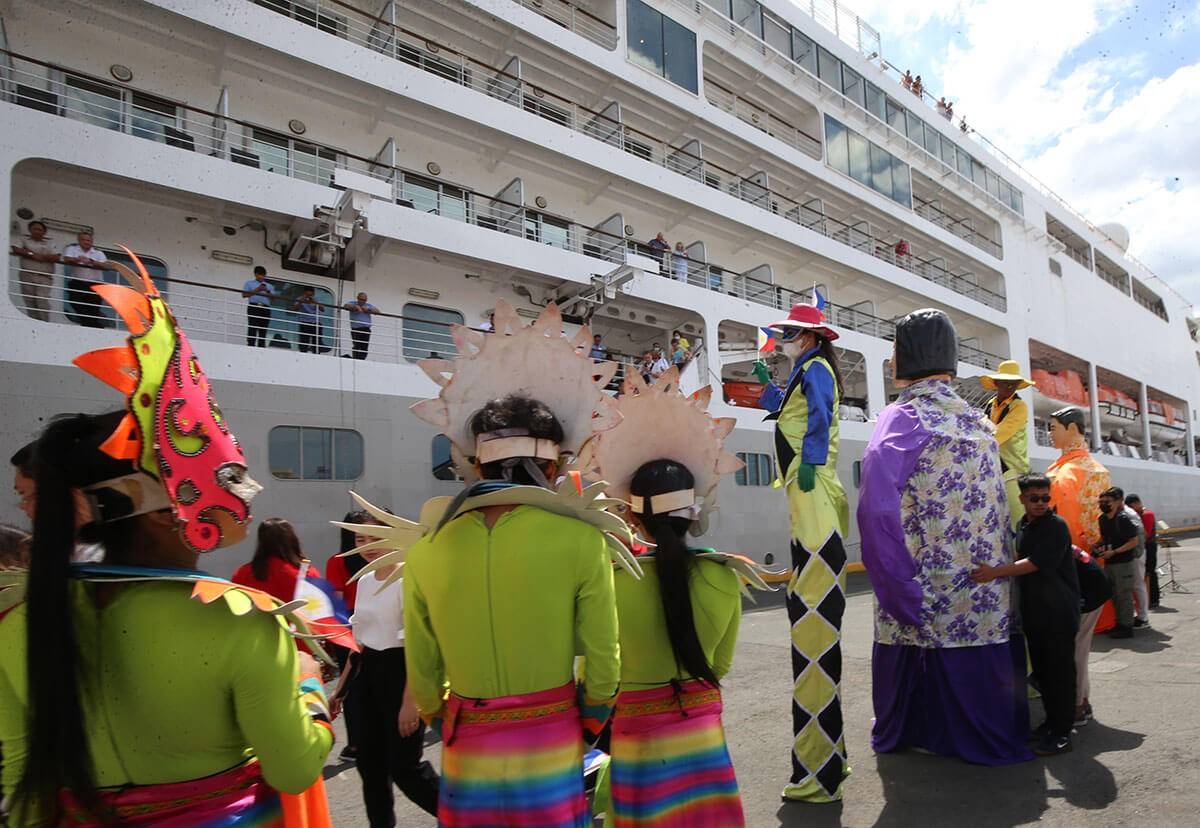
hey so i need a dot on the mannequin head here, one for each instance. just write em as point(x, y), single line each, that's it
point(926, 347)
point(1068, 429)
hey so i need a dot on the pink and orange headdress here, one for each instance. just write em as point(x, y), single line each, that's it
point(174, 433)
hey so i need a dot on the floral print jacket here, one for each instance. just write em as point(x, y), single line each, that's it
point(932, 507)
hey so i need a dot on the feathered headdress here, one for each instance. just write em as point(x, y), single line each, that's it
point(658, 422)
point(174, 433)
point(536, 360)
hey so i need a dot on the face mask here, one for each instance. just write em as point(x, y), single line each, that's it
point(792, 350)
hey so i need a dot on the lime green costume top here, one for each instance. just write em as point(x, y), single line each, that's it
point(504, 612)
point(647, 659)
point(173, 689)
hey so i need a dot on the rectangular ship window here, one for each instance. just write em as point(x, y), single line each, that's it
point(307, 453)
point(425, 332)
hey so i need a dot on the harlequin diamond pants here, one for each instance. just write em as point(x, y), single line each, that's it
point(816, 600)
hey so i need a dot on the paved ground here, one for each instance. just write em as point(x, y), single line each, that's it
point(1135, 765)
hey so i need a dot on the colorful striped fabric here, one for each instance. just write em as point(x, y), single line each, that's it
point(670, 766)
point(237, 798)
point(513, 761)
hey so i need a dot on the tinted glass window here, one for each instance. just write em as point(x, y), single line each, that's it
point(645, 36)
point(679, 54)
point(347, 454)
point(836, 145)
point(306, 453)
point(804, 51)
point(860, 159)
point(853, 87)
point(777, 33)
point(895, 116)
point(442, 464)
point(829, 68)
point(748, 15)
point(881, 170)
point(426, 332)
point(901, 183)
point(876, 101)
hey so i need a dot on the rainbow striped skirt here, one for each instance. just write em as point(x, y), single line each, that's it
point(513, 761)
point(670, 766)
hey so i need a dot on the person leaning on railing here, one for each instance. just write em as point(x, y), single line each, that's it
point(38, 260)
point(83, 303)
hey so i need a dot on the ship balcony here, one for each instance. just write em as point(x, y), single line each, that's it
point(688, 157)
point(76, 96)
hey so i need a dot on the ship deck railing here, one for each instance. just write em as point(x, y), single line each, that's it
point(415, 49)
point(218, 313)
point(78, 96)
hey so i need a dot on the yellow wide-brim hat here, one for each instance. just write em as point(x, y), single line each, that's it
point(1009, 371)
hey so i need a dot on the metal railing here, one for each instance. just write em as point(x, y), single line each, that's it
point(570, 16)
point(449, 64)
point(955, 225)
point(761, 119)
point(216, 313)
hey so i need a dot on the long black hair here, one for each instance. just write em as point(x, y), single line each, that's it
point(825, 350)
point(276, 539)
point(66, 458)
point(346, 540)
point(673, 563)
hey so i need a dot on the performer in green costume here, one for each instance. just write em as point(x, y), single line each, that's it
point(806, 446)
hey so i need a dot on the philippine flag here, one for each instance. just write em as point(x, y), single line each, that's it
point(766, 340)
point(323, 609)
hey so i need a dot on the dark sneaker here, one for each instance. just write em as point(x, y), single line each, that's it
point(1120, 632)
point(1039, 733)
point(1139, 623)
point(349, 754)
point(1053, 745)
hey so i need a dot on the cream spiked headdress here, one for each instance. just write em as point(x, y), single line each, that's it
point(658, 422)
point(536, 360)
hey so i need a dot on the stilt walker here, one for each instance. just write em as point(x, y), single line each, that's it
point(806, 448)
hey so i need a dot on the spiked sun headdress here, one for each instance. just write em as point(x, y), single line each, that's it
point(184, 455)
point(535, 360)
point(659, 423)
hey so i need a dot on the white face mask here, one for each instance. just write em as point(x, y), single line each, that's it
point(792, 350)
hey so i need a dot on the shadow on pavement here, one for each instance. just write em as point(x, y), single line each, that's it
point(1145, 640)
point(1086, 781)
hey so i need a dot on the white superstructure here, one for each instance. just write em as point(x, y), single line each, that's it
point(441, 155)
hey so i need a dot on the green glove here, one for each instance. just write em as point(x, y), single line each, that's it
point(761, 373)
point(806, 477)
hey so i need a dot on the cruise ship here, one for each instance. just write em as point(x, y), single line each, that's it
point(443, 155)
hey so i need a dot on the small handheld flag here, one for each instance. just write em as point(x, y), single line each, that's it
point(766, 340)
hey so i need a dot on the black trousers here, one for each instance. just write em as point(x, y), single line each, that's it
point(1152, 570)
point(1052, 655)
point(84, 305)
point(257, 319)
point(384, 756)
point(308, 337)
point(360, 339)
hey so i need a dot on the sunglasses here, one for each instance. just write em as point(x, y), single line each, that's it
point(791, 334)
point(1038, 498)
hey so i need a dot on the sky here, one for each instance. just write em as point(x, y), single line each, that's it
point(1099, 99)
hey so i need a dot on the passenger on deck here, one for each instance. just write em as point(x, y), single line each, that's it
point(660, 248)
point(83, 261)
point(361, 312)
point(38, 262)
point(258, 293)
point(948, 674)
point(679, 263)
point(308, 323)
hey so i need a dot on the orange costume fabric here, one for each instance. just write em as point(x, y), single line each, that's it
point(1076, 481)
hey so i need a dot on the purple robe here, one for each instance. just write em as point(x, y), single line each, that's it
point(947, 671)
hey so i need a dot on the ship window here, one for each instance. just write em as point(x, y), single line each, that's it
point(547, 230)
point(804, 51)
point(901, 183)
point(829, 68)
point(881, 170)
point(860, 159)
point(964, 164)
point(443, 463)
point(425, 332)
point(150, 116)
point(837, 146)
point(659, 44)
point(948, 150)
point(157, 269)
point(876, 101)
point(1055, 267)
point(748, 15)
point(895, 116)
point(932, 140)
point(307, 14)
point(915, 128)
point(777, 33)
point(852, 86)
point(95, 103)
point(430, 196)
point(283, 329)
point(306, 453)
point(758, 471)
point(720, 5)
point(280, 154)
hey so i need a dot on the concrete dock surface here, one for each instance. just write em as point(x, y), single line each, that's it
point(1137, 763)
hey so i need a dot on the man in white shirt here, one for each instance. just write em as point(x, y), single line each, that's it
point(84, 305)
point(660, 365)
point(38, 261)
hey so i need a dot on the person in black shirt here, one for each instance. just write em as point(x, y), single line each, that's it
point(1049, 590)
point(1118, 547)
